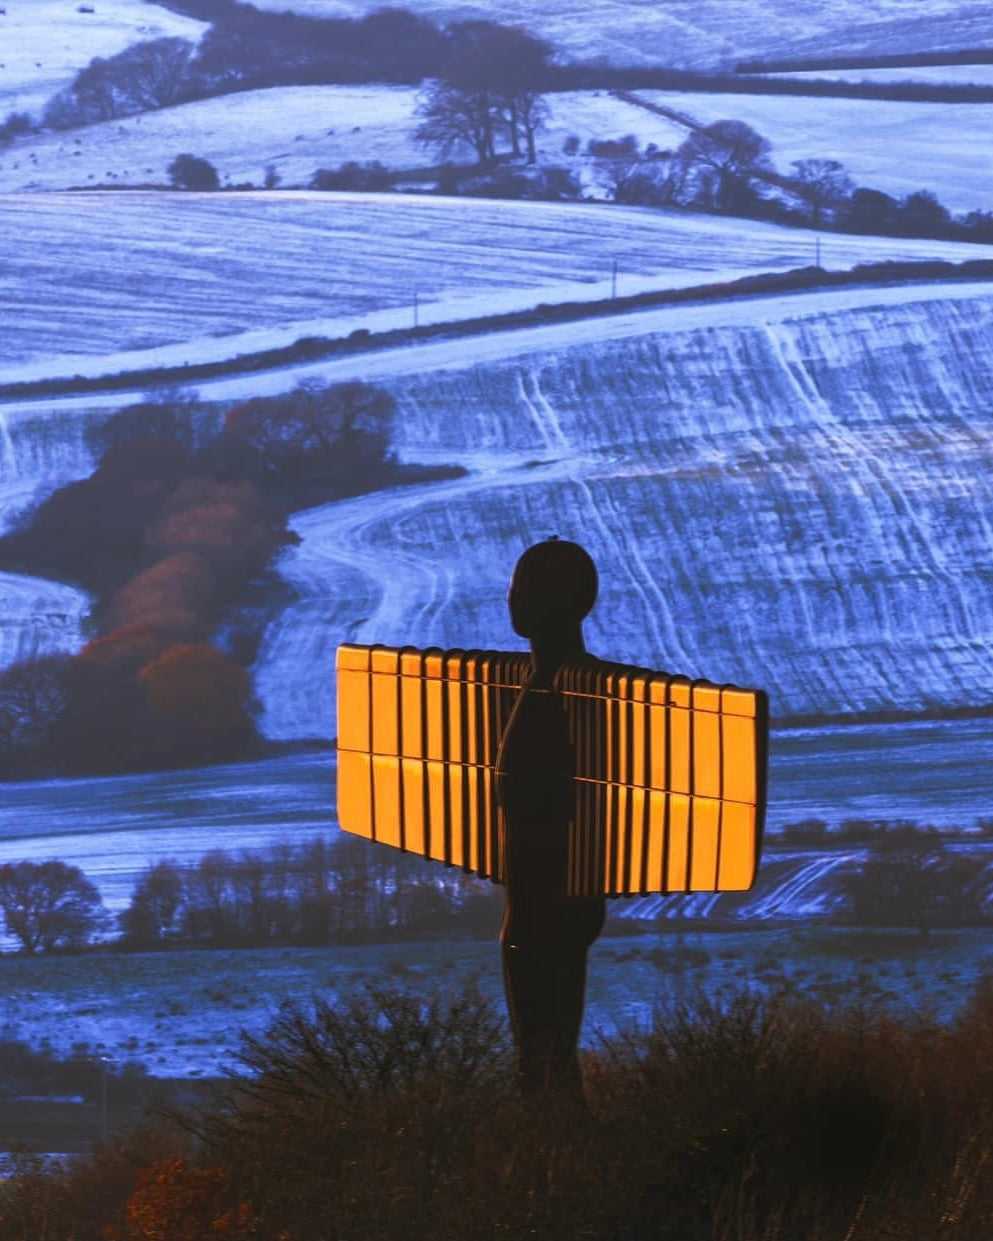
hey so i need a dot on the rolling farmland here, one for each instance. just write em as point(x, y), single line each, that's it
point(336, 262)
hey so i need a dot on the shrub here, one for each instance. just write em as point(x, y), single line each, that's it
point(382, 1041)
point(15, 126)
point(501, 182)
point(389, 1115)
point(554, 184)
point(353, 176)
point(613, 148)
point(190, 172)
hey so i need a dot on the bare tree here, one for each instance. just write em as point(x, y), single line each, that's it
point(156, 906)
point(454, 118)
point(152, 74)
point(823, 183)
point(724, 157)
point(49, 905)
point(491, 89)
point(156, 73)
point(33, 696)
point(524, 113)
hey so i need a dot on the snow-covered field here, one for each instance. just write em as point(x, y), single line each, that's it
point(181, 1014)
point(45, 43)
point(106, 273)
point(897, 147)
point(705, 33)
point(801, 496)
point(295, 130)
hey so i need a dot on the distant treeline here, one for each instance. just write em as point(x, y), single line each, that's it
point(173, 534)
point(312, 894)
point(896, 60)
point(349, 891)
point(245, 49)
point(306, 894)
point(661, 77)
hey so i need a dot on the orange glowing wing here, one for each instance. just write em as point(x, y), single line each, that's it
point(670, 774)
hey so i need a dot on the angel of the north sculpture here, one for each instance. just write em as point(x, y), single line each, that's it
point(565, 778)
point(667, 773)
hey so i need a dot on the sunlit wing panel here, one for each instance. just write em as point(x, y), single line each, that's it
point(418, 734)
point(669, 772)
point(671, 781)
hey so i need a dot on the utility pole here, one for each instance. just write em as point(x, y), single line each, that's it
point(817, 251)
point(613, 281)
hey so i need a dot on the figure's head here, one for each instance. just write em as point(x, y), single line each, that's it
point(553, 587)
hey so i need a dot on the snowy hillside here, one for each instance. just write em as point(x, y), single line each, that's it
point(233, 272)
point(295, 130)
point(890, 27)
point(894, 146)
point(799, 498)
point(45, 43)
point(708, 32)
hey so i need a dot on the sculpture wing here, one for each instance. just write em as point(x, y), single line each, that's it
point(671, 781)
point(418, 733)
point(670, 773)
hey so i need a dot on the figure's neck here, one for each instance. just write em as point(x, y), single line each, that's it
point(549, 652)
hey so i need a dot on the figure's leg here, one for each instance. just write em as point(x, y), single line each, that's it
point(544, 988)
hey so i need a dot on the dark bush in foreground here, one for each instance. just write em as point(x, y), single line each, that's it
point(391, 1116)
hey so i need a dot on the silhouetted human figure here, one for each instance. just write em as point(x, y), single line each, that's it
point(546, 934)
